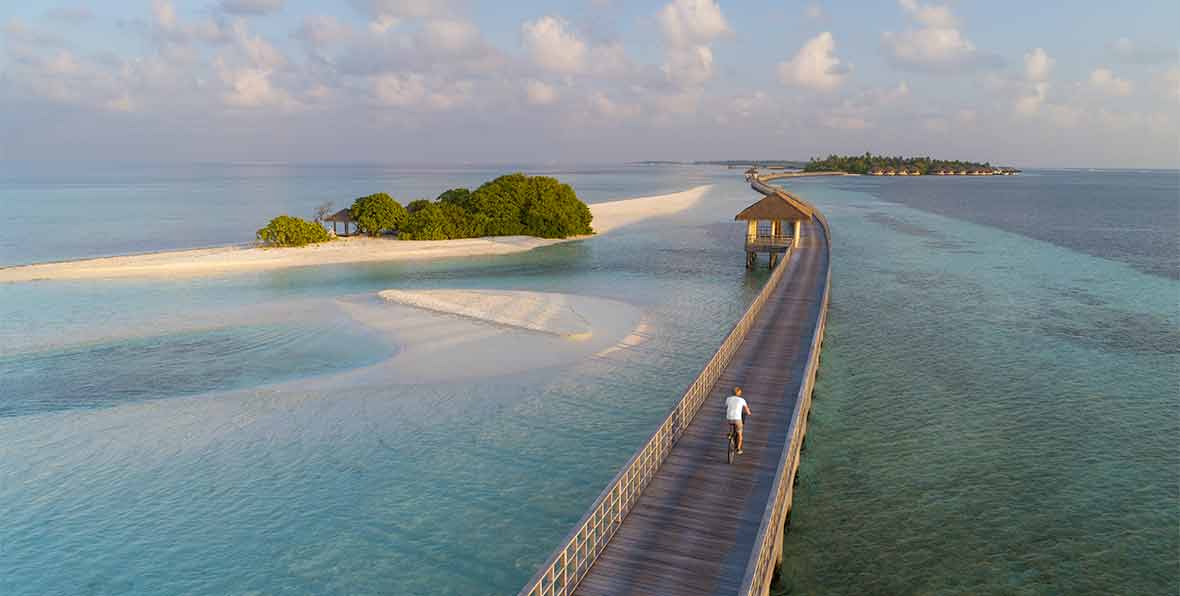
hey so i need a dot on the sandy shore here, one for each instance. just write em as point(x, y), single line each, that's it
point(231, 259)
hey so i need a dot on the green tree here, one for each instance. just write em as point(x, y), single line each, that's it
point(438, 221)
point(456, 196)
point(377, 213)
point(285, 230)
point(555, 211)
point(416, 205)
point(503, 201)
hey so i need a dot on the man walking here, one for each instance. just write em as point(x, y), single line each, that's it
point(735, 406)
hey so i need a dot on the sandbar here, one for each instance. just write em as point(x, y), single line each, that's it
point(608, 216)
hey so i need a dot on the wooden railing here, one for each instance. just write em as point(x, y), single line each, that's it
point(769, 240)
point(768, 543)
point(566, 567)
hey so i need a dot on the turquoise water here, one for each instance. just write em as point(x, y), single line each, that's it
point(63, 211)
point(308, 471)
point(994, 413)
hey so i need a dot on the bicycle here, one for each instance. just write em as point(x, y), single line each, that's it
point(731, 441)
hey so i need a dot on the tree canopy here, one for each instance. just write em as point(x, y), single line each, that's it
point(285, 230)
point(510, 205)
point(377, 213)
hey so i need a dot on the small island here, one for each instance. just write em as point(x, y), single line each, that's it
point(881, 165)
point(511, 205)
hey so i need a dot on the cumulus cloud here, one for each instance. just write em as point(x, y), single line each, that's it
point(1037, 65)
point(1127, 51)
point(689, 66)
point(251, 7)
point(1104, 80)
point(553, 46)
point(251, 88)
point(815, 65)
point(689, 28)
point(539, 93)
point(692, 22)
point(936, 45)
point(1030, 104)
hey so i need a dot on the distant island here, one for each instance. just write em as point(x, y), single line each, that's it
point(881, 165)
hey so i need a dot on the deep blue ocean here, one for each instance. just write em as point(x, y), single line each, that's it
point(996, 411)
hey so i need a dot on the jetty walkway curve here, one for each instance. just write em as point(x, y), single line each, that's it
point(678, 519)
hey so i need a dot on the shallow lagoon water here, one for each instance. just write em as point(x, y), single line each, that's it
point(348, 481)
point(993, 415)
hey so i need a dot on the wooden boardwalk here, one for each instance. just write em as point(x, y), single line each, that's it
point(693, 530)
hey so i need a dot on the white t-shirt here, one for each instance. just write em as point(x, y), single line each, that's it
point(733, 407)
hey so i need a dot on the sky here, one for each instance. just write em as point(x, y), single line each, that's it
point(1031, 84)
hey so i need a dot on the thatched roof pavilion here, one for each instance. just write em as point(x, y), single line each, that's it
point(343, 216)
point(767, 222)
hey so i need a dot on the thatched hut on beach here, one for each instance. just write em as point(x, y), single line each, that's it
point(343, 216)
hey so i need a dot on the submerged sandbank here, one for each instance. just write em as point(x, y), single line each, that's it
point(544, 312)
point(231, 259)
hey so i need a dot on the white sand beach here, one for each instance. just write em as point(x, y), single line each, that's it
point(608, 216)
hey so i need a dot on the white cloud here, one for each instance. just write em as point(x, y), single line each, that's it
point(251, 7)
point(609, 60)
point(1105, 81)
point(1037, 65)
point(323, 30)
point(62, 63)
point(383, 23)
point(399, 90)
point(257, 50)
point(1031, 104)
point(692, 22)
point(164, 14)
point(689, 66)
point(251, 88)
point(553, 46)
point(1125, 50)
point(451, 36)
point(606, 107)
point(539, 93)
point(1169, 81)
point(689, 27)
point(746, 106)
point(937, 16)
point(815, 65)
point(937, 45)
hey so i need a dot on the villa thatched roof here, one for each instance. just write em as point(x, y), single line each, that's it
point(781, 205)
point(341, 216)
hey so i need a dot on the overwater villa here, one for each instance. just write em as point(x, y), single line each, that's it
point(877, 172)
point(890, 172)
point(772, 225)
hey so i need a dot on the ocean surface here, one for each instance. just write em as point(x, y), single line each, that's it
point(996, 410)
